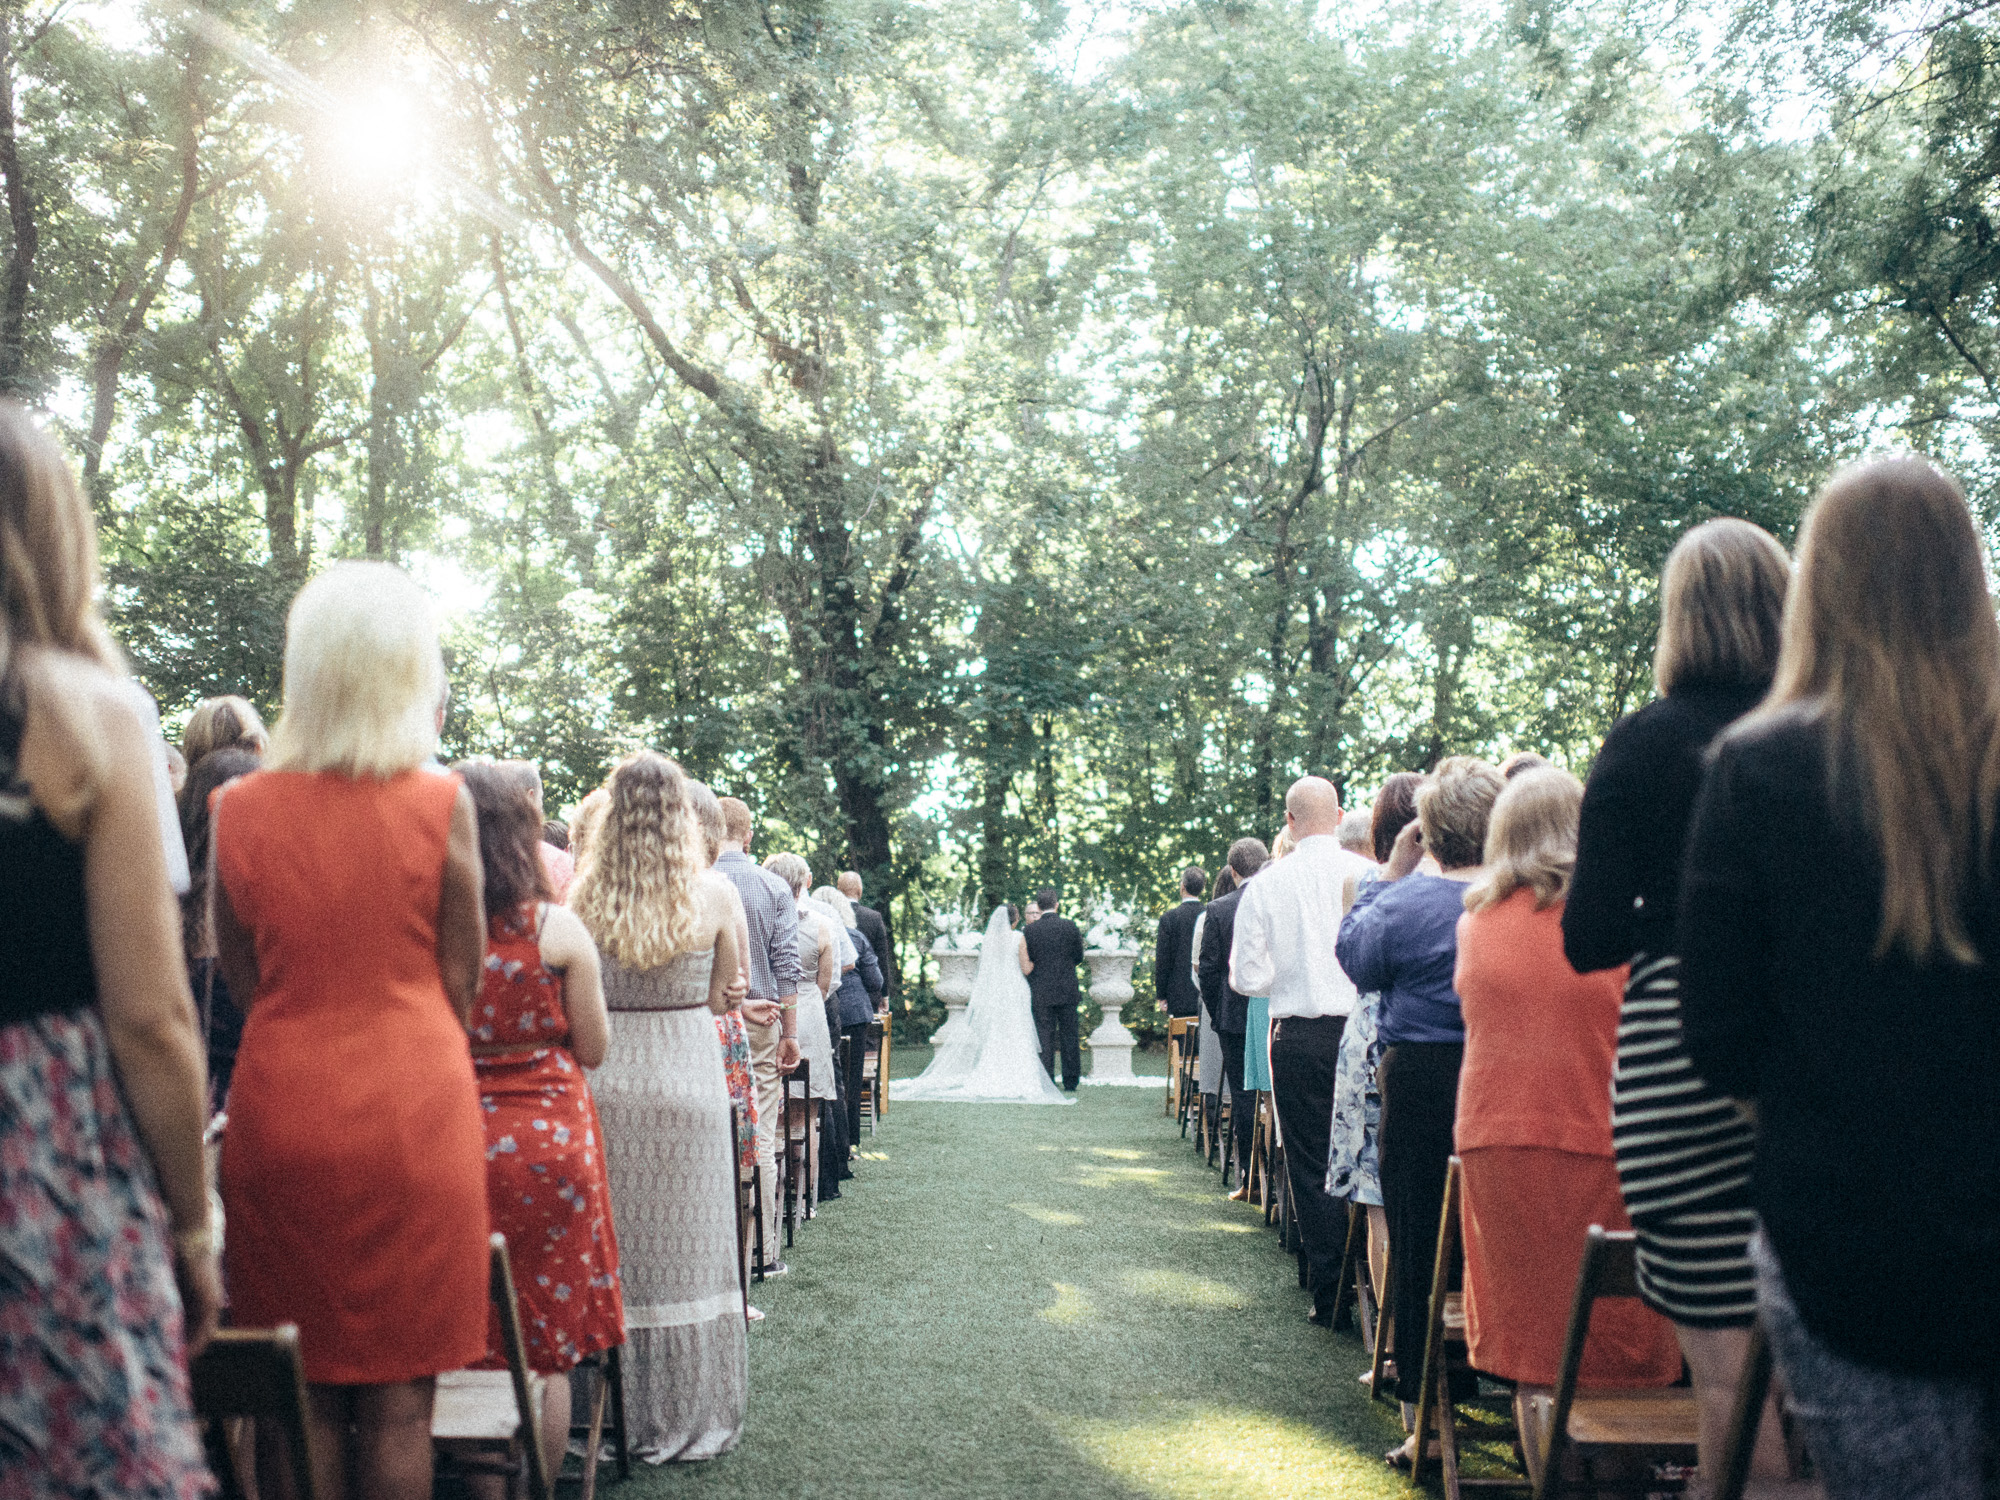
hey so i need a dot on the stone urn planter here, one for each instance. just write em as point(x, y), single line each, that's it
point(1111, 987)
point(956, 967)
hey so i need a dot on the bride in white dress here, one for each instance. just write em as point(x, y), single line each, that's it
point(994, 1056)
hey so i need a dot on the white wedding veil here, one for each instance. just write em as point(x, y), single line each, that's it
point(993, 1056)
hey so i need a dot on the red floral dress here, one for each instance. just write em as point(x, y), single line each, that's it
point(545, 1183)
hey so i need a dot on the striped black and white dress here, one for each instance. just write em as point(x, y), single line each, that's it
point(1684, 1156)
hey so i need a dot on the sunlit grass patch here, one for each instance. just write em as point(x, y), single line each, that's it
point(1207, 1453)
point(1070, 1308)
point(1042, 1214)
point(1179, 1288)
point(1120, 1153)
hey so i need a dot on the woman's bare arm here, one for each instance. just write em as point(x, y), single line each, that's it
point(725, 974)
point(149, 1016)
point(826, 978)
point(568, 949)
point(461, 929)
point(1021, 952)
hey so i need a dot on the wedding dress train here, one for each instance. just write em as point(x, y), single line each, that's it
point(993, 1056)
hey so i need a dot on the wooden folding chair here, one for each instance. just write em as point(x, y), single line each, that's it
point(744, 1204)
point(883, 1057)
point(1649, 1423)
point(1177, 1029)
point(797, 1173)
point(1384, 1320)
point(254, 1373)
point(871, 1086)
point(1445, 1355)
point(1353, 1278)
point(605, 1407)
point(489, 1421)
point(1752, 1387)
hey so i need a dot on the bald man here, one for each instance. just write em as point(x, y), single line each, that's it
point(868, 922)
point(1286, 927)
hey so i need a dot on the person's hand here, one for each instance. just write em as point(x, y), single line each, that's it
point(1408, 852)
point(200, 1281)
point(788, 1054)
point(737, 990)
point(761, 1012)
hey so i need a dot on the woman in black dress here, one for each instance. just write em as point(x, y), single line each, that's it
point(1683, 1148)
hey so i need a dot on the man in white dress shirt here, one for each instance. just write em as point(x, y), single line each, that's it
point(1285, 931)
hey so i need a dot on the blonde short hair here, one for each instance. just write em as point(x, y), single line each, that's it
point(1530, 840)
point(1722, 605)
point(1453, 805)
point(364, 679)
point(792, 869)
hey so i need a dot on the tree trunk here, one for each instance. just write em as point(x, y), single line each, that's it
point(26, 236)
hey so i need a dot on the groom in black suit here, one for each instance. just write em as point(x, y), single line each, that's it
point(1055, 948)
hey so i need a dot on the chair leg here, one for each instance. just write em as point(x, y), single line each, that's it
point(757, 1214)
point(1381, 1349)
point(614, 1384)
point(1752, 1387)
point(593, 1435)
point(1357, 1234)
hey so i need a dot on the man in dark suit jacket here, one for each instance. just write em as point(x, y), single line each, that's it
point(1055, 948)
point(1226, 1008)
point(1173, 950)
point(871, 926)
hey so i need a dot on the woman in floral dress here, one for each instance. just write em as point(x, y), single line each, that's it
point(538, 1023)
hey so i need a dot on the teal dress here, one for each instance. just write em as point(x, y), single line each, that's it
point(1257, 1045)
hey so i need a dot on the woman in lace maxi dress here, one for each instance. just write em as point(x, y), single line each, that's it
point(667, 933)
point(819, 963)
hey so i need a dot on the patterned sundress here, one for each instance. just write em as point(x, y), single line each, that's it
point(93, 1374)
point(742, 1087)
point(545, 1178)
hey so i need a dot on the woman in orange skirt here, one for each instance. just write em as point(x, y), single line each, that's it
point(348, 913)
point(1534, 1110)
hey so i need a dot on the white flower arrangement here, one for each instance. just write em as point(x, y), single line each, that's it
point(1108, 924)
point(957, 928)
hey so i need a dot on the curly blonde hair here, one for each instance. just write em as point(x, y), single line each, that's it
point(637, 888)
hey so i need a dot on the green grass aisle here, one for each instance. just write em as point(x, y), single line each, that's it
point(1022, 1301)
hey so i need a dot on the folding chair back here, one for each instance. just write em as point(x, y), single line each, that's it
point(796, 1173)
point(1655, 1420)
point(871, 1086)
point(257, 1373)
point(489, 1421)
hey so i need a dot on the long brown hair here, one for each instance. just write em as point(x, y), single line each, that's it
point(1892, 652)
point(510, 836)
point(215, 770)
point(1395, 807)
point(636, 888)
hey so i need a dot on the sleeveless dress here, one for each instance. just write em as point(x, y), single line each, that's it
point(93, 1374)
point(665, 1107)
point(815, 1041)
point(354, 1166)
point(545, 1184)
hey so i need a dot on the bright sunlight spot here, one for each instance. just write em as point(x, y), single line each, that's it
point(1204, 1453)
point(1041, 1215)
point(378, 137)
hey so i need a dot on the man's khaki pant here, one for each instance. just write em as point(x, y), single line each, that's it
point(770, 1123)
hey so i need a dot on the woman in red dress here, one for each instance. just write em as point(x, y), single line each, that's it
point(347, 913)
point(538, 1023)
point(1534, 1111)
